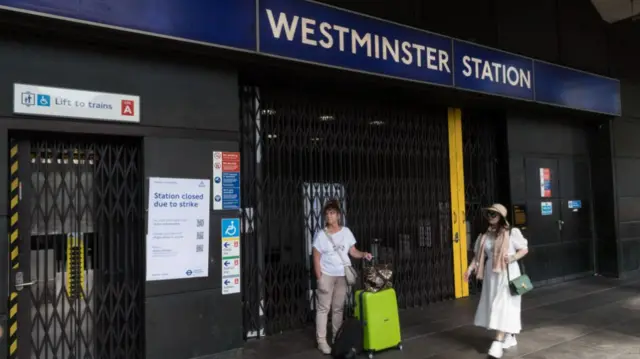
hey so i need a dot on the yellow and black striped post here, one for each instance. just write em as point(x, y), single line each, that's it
point(14, 244)
point(75, 267)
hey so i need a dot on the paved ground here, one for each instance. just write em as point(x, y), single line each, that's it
point(588, 319)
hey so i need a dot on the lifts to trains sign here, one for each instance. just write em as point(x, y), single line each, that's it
point(324, 35)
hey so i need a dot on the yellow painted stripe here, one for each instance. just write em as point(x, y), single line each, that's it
point(453, 178)
point(13, 347)
point(14, 221)
point(14, 253)
point(14, 235)
point(14, 151)
point(13, 329)
point(13, 311)
point(16, 266)
point(14, 295)
point(462, 224)
point(14, 168)
point(456, 169)
point(14, 202)
point(14, 184)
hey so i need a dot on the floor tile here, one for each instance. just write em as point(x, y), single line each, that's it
point(570, 351)
point(610, 341)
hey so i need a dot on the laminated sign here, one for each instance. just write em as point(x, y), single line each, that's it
point(545, 182)
point(226, 180)
point(230, 241)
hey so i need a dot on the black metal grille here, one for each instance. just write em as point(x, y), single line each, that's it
point(388, 165)
point(86, 250)
point(481, 142)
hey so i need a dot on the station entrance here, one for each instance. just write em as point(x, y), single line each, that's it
point(386, 162)
point(76, 247)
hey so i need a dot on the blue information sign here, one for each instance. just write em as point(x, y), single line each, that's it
point(561, 86)
point(230, 227)
point(325, 35)
point(320, 34)
point(217, 22)
point(226, 180)
point(482, 69)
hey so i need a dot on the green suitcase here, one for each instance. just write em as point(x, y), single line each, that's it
point(378, 313)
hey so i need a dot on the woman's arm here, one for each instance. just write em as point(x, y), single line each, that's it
point(316, 264)
point(355, 253)
point(519, 255)
point(520, 244)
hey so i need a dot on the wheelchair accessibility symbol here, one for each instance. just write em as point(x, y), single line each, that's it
point(44, 100)
point(230, 227)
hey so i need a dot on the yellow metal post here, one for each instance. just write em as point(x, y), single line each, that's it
point(458, 215)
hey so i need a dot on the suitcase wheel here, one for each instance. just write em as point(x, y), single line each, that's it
point(400, 347)
point(370, 355)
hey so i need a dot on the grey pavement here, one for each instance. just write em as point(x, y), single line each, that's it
point(594, 318)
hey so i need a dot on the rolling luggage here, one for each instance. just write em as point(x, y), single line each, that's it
point(348, 341)
point(378, 313)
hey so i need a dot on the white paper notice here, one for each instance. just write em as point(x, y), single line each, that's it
point(178, 228)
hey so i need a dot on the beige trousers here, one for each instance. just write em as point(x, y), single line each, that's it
point(331, 294)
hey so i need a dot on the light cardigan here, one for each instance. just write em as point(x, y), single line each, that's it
point(500, 250)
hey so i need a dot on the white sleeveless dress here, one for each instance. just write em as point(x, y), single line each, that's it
point(498, 308)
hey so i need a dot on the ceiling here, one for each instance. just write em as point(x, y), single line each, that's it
point(616, 10)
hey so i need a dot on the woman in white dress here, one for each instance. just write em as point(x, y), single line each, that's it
point(500, 246)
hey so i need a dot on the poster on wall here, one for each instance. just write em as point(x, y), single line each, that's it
point(226, 180)
point(546, 208)
point(178, 228)
point(230, 253)
point(575, 205)
point(545, 182)
point(520, 215)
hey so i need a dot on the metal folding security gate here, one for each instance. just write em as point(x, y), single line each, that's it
point(388, 165)
point(483, 144)
point(77, 243)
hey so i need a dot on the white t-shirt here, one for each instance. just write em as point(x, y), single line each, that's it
point(330, 262)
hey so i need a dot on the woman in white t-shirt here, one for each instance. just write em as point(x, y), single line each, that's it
point(328, 263)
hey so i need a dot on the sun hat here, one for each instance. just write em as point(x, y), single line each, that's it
point(500, 209)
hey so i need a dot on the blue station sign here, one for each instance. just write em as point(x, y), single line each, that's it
point(319, 34)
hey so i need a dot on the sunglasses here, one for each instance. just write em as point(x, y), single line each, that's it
point(492, 214)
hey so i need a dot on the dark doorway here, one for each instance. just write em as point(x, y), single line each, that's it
point(559, 214)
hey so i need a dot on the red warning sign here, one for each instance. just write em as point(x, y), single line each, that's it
point(230, 162)
point(127, 108)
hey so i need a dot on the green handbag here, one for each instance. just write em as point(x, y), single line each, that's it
point(521, 284)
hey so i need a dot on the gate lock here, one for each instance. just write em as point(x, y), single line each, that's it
point(20, 284)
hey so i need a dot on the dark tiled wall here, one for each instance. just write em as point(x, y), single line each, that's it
point(627, 173)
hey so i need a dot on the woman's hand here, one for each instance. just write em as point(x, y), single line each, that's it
point(467, 274)
point(368, 256)
point(508, 259)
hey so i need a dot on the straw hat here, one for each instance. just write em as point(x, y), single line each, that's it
point(499, 209)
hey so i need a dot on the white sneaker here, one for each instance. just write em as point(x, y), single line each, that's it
point(496, 350)
point(324, 347)
point(509, 341)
